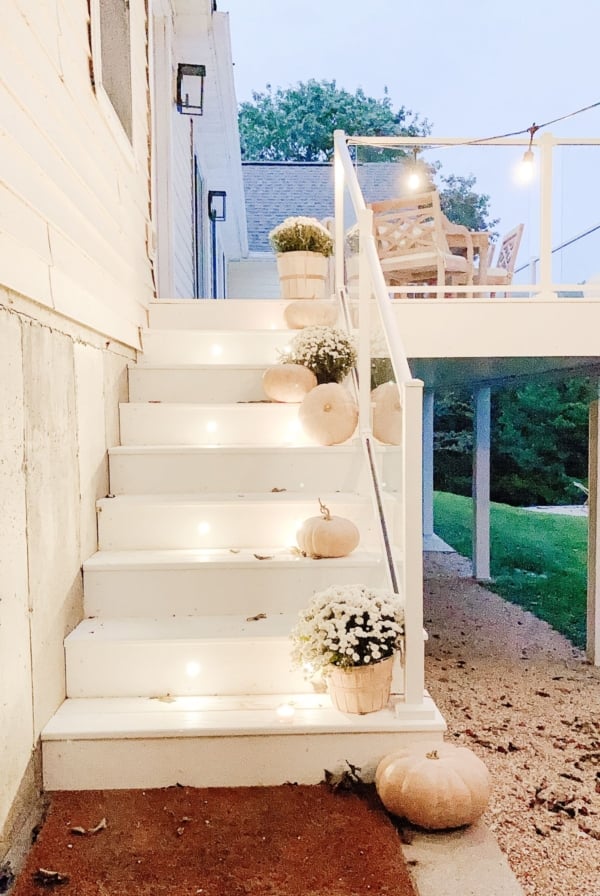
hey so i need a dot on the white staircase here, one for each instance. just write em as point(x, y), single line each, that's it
point(180, 671)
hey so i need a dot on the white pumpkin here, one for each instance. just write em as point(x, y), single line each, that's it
point(311, 313)
point(327, 535)
point(387, 414)
point(288, 382)
point(434, 785)
point(328, 414)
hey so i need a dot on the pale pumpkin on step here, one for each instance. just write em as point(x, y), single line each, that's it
point(288, 382)
point(434, 785)
point(327, 535)
point(387, 414)
point(311, 313)
point(328, 414)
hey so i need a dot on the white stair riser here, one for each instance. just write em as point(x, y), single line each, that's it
point(263, 588)
point(171, 472)
point(181, 424)
point(199, 384)
point(208, 314)
point(220, 761)
point(121, 668)
point(197, 347)
point(144, 525)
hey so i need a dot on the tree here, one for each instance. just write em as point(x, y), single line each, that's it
point(297, 124)
point(461, 204)
point(539, 442)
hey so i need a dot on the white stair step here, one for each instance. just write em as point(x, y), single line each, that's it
point(218, 582)
point(137, 657)
point(216, 347)
point(120, 743)
point(218, 314)
point(197, 383)
point(155, 469)
point(143, 522)
point(206, 424)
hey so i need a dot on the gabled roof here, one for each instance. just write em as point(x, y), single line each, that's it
point(278, 190)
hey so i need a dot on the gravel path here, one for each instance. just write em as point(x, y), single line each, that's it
point(527, 702)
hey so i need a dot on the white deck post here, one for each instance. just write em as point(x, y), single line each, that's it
point(339, 186)
point(428, 407)
point(481, 483)
point(593, 601)
point(412, 568)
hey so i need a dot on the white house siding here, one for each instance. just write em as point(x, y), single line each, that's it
point(183, 230)
point(75, 282)
point(73, 196)
point(202, 37)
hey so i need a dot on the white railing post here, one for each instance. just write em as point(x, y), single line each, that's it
point(365, 223)
point(339, 183)
point(412, 568)
point(546, 144)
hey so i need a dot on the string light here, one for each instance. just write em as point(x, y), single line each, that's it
point(413, 180)
point(527, 166)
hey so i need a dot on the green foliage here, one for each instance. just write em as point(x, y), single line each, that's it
point(297, 124)
point(538, 560)
point(539, 442)
point(453, 442)
point(462, 205)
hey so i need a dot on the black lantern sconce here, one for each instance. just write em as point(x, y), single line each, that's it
point(190, 88)
point(216, 205)
point(217, 211)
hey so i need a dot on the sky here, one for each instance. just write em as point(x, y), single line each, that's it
point(473, 68)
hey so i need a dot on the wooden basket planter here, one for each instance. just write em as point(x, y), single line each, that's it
point(361, 689)
point(302, 275)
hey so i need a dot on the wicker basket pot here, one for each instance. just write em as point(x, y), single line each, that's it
point(302, 275)
point(361, 689)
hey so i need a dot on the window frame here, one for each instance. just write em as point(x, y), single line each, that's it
point(105, 103)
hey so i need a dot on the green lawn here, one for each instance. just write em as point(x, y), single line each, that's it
point(538, 560)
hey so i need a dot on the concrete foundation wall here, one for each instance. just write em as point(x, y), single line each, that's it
point(61, 386)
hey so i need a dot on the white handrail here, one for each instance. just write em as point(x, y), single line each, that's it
point(372, 282)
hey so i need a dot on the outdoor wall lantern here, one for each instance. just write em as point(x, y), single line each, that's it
point(216, 205)
point(216, 212)
point(190, 88)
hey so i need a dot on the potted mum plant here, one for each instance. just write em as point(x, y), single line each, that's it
point(302, 246)
point(351, 633)
point(327, 351)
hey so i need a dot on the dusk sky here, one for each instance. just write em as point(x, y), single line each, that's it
point(473, 69)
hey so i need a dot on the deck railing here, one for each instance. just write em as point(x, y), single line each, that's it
point(372, 283)
point(582, 189)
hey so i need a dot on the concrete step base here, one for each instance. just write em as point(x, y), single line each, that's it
point(222, 742)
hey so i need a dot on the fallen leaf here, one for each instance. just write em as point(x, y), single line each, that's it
point(46, 878)
point(256, 618)
point(234, 550)
point(277, 490)
point(263, 556)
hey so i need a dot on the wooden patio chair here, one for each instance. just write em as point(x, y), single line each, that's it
point(412, 245)
point(502, 273)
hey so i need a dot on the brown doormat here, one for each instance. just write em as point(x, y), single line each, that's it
point(292, 840)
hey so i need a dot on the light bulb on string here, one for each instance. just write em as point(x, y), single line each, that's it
point(526, 170)
point(414, 178)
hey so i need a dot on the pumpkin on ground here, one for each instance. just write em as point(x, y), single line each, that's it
point(288, 382)
point(327, 535)
point(328, 414)
point(387, 414)
point(311, 313)
point(435, 786)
